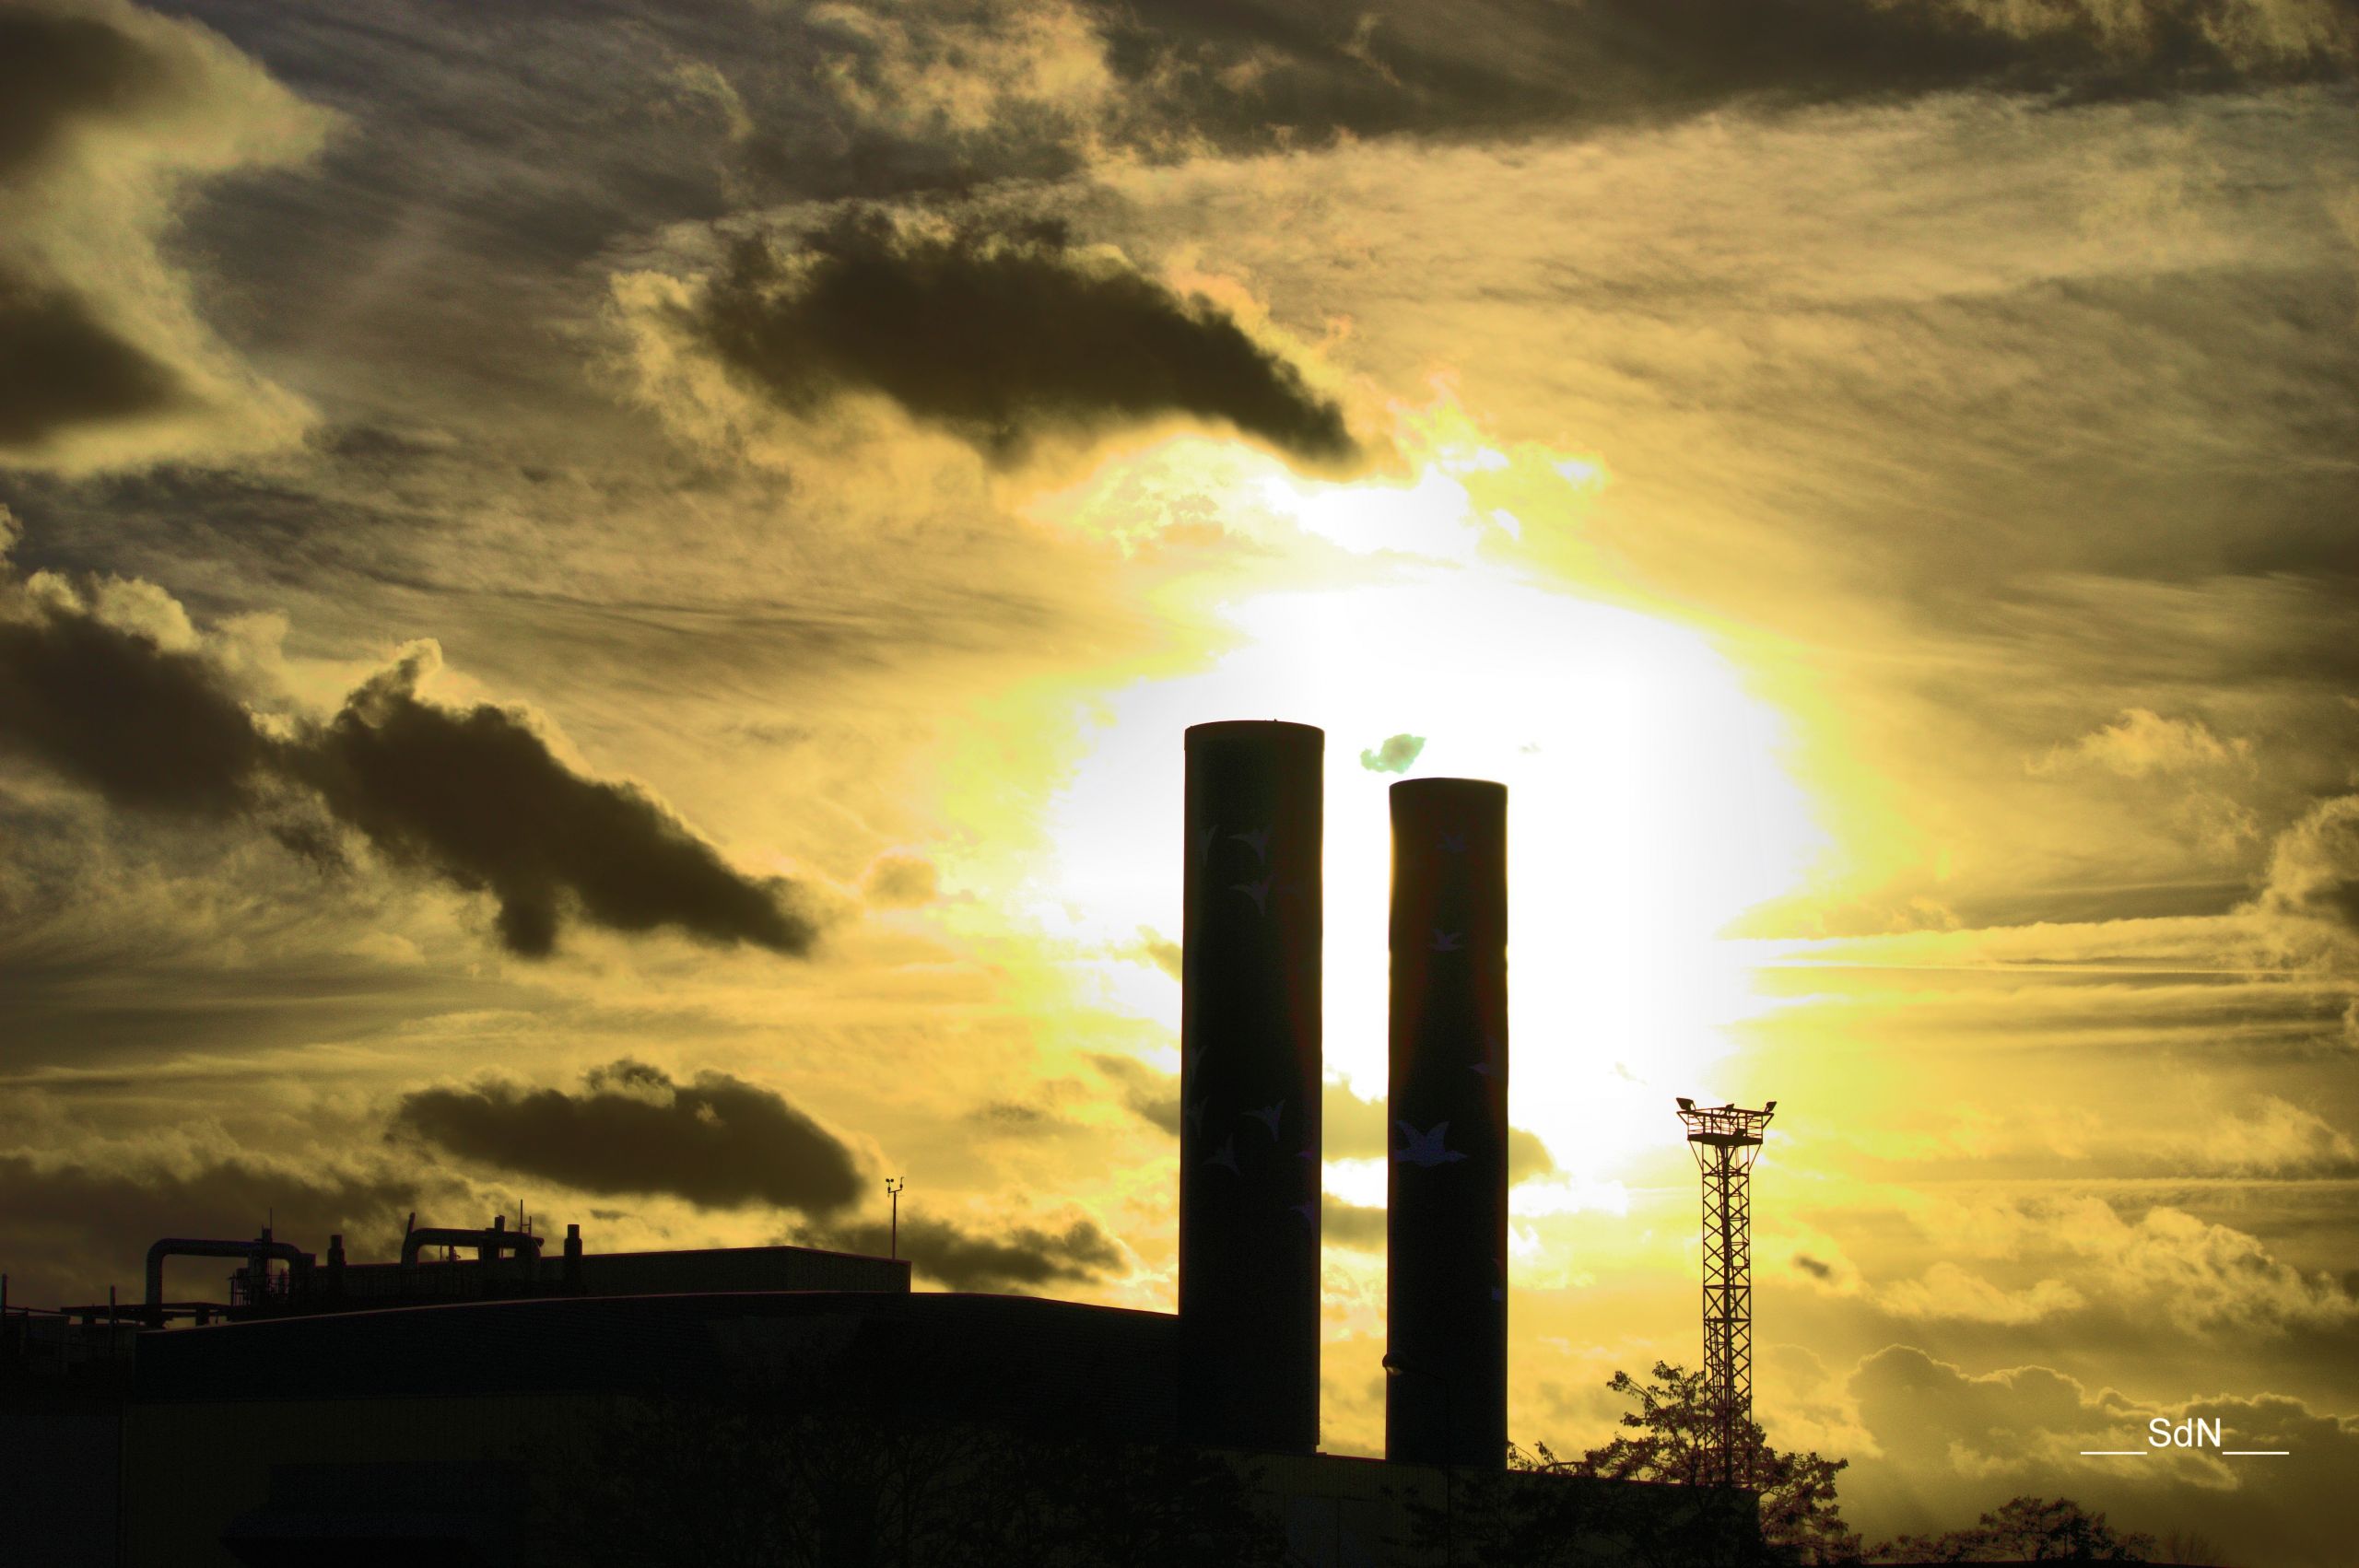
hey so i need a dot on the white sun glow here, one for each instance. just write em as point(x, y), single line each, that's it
point(1648, 808)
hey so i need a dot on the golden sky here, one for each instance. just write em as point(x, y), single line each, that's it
point(599, 607)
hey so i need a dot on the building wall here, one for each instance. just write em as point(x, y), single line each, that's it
point(60, 1456)
point(458, 1468)
point(194, 1469)
point(344, 1407)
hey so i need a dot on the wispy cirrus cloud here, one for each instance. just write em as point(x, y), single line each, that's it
point(2198, 1276)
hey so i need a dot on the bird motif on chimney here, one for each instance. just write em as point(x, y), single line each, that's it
point(1196, 1115)
point(1489, 1066)
point(1426, 1149)
point(1227, 1155)
point(1268, 1117)
point(1454, 843)
point(1448, 942)
point(1257, 890)
point(1258, 841)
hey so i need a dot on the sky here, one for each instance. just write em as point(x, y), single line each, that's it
point(598, 602)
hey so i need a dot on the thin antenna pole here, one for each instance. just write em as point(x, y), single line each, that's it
point(893, 1185)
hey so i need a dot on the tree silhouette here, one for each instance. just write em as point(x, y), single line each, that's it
point(2027, 1530)
point(800, 1473)
point(1547, 1511)
point(1670, 1437)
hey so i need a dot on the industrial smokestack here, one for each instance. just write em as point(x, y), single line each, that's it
point(1446, 1392)
point(1248, 1085)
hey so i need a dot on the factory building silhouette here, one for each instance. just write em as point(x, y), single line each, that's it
point(349, 1410)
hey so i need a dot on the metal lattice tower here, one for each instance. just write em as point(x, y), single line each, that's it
point(1725, 1140)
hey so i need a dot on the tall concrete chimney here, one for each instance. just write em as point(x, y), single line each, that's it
point(1446, 1389)
point(1249, 1087)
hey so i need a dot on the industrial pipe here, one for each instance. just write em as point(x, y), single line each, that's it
point(184, 1246)
point(487, 1242)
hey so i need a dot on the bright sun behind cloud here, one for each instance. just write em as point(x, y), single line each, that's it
point(1649, 804)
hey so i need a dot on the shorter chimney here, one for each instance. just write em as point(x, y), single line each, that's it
point(1446, 1393)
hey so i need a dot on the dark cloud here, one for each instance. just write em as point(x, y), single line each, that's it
point(56, 69)
point(476, 797)
point(1527, 1156)
point(65, 366)
point(110, 114)
point(1360, 1226)
point(1002, 338)
point(1234, 72)
point(1019, 1257)
point(145, 726)
point(718, 1142)
point(1158, 950)
point(1010, 1117)
point(1152, 1094)
point(1395, 756)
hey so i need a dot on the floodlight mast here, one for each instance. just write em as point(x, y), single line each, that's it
point(1726, 1140)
